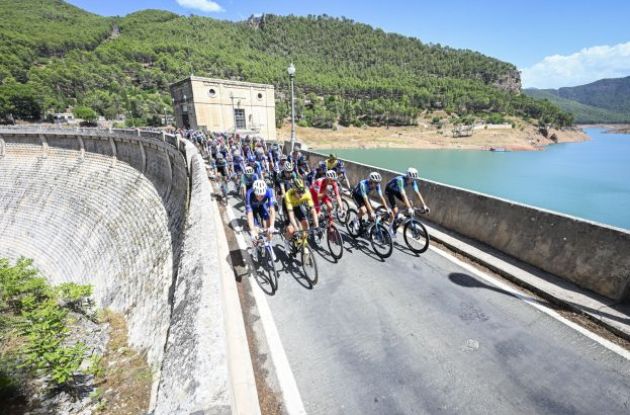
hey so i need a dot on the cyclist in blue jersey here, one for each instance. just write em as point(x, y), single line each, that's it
point(318, 173)
point(247, 180)
point(259, 206)
point(395, 189)
point(238, 161)
point(361, 193)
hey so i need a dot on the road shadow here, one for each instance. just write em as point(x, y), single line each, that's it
point(361, 245)
point(290, 266)
point(402, 247)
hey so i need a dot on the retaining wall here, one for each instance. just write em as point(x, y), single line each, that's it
point(110, 209)
point(591, 255)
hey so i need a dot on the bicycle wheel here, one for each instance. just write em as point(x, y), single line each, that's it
point(416, 236)
point(342, 211)
point(334, 242)
point(352, 223)
point(271, 266)
point(309, 264)
point(381, 241)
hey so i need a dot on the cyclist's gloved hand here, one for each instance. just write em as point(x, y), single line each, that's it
point(410, 212)
point(426, 209)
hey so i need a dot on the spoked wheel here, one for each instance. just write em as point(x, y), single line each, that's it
point(416, 236)
point(353, 225)
point(381, 241)
point(309, 264)
point(334, 241)
point(342, 211)
point(273, 272)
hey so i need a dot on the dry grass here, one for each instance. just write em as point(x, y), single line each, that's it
point(125, 382)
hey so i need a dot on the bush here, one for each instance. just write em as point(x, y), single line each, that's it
point(32, 317)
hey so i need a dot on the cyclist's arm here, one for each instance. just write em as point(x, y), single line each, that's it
point(380, 195)
point(250, 223)
point(417, 190)
point(315, 217)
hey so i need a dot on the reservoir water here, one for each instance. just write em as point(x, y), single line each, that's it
point(589, 179)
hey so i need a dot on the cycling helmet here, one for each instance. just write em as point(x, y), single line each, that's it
point(276, 168)
point(375, 177)
point(298, 185)
point(288, 166)
point(260, 187)
point(259, 150)
point(340, 163)
point(332, 156)
point(283, 157)
point(412, 173)
point(331, 174)
point(236, 153)
point(219, 156)
point(322, 164)
point(249, 170)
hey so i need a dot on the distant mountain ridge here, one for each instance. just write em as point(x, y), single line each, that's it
point(606, 100)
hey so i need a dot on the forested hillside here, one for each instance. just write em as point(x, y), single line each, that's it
point(582, 113)
point(57, 56)
point(606, 100)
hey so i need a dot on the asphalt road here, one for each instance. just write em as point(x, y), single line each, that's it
point(422, 335)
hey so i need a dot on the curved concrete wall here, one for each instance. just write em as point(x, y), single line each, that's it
point(591, 255)
point(99, 208)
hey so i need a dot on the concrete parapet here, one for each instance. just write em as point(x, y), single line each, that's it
point(591, 255)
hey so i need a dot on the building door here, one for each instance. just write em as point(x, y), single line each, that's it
point(239, 119)
point(185, 121)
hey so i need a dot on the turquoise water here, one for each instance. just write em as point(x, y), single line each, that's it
point(589, 179)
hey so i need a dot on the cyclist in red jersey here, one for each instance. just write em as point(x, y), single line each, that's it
point(319, 192)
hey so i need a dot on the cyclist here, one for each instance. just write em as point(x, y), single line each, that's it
point(239, 162)
point(221, 165)
point(259, 206)
point(295, 202)
point(274, 154)
point(395, 189)
point(247, 180)
point(286, 179)
point(331, 161)
point(318, 173)
point(319, 192)
point(361, 193)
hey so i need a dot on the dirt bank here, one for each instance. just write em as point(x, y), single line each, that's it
point(521, 138)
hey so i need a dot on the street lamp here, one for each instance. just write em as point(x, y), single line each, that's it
point(291, 71)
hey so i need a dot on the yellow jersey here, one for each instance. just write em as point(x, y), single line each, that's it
point(291, 200)
point(331, 163)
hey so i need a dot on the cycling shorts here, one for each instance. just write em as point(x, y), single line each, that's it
point(392, 196)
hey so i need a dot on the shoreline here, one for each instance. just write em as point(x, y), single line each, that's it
point(523, 138)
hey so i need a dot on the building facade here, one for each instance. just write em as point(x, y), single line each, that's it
point(226, 106)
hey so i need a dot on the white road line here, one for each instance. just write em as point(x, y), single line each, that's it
point(505, 287)
point(292, 399)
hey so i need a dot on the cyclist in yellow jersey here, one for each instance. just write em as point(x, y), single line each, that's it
point(331, 162)
point(295, 202)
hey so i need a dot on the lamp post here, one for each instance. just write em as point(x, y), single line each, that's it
point(291, 71)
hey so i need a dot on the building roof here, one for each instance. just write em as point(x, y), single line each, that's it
point(220, 81)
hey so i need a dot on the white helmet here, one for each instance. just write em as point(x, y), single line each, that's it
point(249, 170)
point(236, 153)
point(288, 166)
point(260, 187)
point(412, 173)
point(375, 177)
point(331, 174)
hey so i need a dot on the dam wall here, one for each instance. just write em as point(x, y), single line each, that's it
point(110, 208)
point(588, 254)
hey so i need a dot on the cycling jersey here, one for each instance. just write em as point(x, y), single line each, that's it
point(239, 166)
point(331, 163)
point(399, 183)
point(286, 180)
point(314, 175)
point(319, 187)
point(363, 188)
point(259, 207)
point(248, 181)
point(292, 201)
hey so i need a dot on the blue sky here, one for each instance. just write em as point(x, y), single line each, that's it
point(554, 42)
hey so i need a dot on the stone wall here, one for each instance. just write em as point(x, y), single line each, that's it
point(110, 209)
point(591, 255)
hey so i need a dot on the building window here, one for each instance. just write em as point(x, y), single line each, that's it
point(260, 95)
point(212, 93)
point(239, 118)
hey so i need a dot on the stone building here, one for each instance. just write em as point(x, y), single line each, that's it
point(223, 105)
